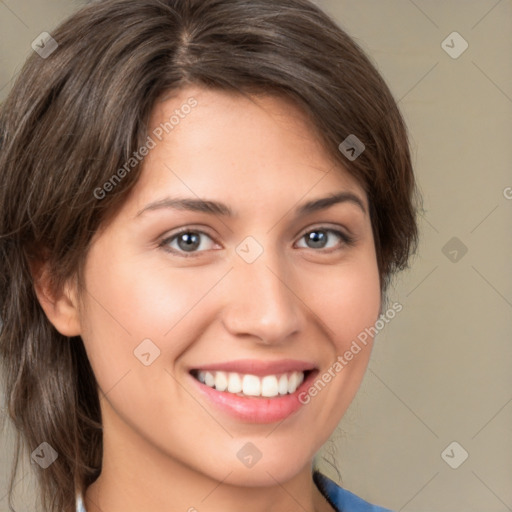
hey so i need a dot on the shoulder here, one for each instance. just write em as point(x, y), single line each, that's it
point(341, 499)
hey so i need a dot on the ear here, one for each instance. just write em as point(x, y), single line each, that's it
point(60, 306)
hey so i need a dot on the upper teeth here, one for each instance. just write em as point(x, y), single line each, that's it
point(252, 385)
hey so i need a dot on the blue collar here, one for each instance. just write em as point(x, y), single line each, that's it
point(341, 499)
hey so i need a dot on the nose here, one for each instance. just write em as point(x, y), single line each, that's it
point(261, 301)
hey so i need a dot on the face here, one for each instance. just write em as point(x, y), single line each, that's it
point(274, 288)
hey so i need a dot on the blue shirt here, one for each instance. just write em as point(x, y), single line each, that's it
point(341, 499)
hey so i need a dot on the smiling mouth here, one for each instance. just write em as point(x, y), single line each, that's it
point(248, 385)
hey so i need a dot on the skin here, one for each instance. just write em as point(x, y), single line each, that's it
point(166, 447)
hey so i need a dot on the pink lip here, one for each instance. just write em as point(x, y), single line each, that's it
point(259, 368)
point(256, 409)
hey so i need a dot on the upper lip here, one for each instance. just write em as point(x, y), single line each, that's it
point(258, 367)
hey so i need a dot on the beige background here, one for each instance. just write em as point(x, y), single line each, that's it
point(441, 369)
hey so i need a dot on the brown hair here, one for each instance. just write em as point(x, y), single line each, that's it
point(74, 118)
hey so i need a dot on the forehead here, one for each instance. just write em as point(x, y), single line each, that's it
point(236, 147)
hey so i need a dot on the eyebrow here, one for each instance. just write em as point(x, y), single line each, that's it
point(218, 208)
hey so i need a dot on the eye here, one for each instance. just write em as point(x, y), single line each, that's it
point(185, 241)
point(318, 238)
point(188, 242)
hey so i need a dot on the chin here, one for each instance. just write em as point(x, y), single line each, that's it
point(263, 472)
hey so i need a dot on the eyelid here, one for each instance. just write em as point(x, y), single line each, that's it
point(167, 238)
point(346, 237)
point(326, 227)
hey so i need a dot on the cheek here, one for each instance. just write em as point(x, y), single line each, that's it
point(129, 301)
point(350, 299)
point(349, 306)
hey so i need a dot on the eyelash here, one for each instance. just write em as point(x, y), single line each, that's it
point(346, 240)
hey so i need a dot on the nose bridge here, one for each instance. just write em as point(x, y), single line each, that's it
point(261, 302)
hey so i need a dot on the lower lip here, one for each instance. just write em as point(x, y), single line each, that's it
point(257, 409)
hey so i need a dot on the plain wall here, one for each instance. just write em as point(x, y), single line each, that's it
point(440, 370)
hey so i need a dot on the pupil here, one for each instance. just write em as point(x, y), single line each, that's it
point(317, 237)
point(191, 241)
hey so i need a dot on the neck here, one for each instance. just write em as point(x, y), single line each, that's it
point(188, 491)
point(138, 475)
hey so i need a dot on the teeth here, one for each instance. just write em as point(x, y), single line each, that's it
point(209, 379)
point(235, 383)
point(282, 385)
point(221, 381)
point(252, 385)
point(269, 386)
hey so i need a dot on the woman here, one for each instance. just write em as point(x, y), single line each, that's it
point(203, 205)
